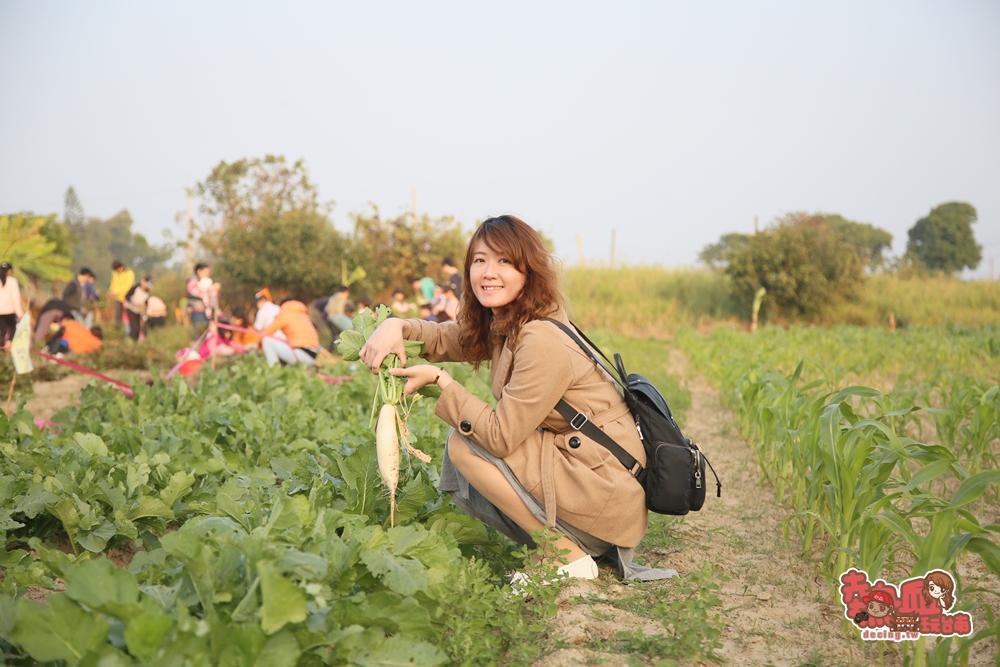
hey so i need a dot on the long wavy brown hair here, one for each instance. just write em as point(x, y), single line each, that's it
point(479, 329)
point(944, 580)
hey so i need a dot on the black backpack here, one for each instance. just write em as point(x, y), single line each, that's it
point(674, 475)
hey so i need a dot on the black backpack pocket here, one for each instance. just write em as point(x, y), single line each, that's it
point(675, 479)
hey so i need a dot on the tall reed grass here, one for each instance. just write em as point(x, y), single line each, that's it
point(649, 300)
point(928, 301)
point(653, 300)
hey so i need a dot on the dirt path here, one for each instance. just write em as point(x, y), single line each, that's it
point(51, 397)
point(776, 609)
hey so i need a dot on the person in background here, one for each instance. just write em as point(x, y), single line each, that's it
point(400, 306)
point(11, 307)
point(76, 295)
point(90, 298)
point(210, 296)
point(453, 275)
point(423, 289)
point(365, 305)
point(247, 339)
point(449, 312)
point(135, 307)
point(52, 338)
point(317, 315)
point(51, 313)
point(426, 314)
point(156, 312)
point(196, 298)
point(335, 307)
point(438, 302)
point(303, 340)
point(267, 310)
point(122, 280)
point(78, 338)
point(342, 322)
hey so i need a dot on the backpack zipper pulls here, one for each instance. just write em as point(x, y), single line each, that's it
point(697, 469)
point(639, 429)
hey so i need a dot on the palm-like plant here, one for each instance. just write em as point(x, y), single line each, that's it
point(32, 255)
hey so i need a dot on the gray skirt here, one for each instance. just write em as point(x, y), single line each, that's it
point(475, 504)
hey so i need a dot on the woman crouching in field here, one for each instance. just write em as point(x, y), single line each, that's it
point(521, 466)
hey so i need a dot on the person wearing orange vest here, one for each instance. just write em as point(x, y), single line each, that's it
point(303, 340)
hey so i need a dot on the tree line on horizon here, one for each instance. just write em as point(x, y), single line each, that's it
point(807, 262)
point(261, 224)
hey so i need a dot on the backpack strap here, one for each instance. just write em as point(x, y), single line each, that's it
point(580, 422)
point(572, 333)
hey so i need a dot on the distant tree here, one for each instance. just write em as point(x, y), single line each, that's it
point(394, 251)
point(943, 241)
point(869, 242)
point(74, 209)
point(96, 243)
point(55, 231)
point(804, 265)
point(297, 253)
point(716, 254)
point(266, 227)
point(251, 190)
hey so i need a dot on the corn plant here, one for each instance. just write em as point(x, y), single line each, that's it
point(843, 459)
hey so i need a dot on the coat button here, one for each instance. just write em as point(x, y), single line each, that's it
point(574, 442)
point(466, 426)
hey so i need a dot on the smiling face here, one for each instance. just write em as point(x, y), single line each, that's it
point(935, 590)
point(496, 282)
point(877, 609)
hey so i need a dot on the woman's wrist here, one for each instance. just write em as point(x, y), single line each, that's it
point(443, 379)
point(404, 329)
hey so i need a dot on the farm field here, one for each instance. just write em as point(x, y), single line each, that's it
point(882, 446)
point(244, 521)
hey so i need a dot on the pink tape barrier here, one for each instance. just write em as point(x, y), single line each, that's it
point(43, 424)
point(197, 345)
point(124, 387)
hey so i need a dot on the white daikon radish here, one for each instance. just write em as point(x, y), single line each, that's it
point(387, 447)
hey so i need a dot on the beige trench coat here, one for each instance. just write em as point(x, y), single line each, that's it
point(585, 486)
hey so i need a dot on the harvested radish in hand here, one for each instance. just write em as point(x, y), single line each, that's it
point(395, 408)
point(387, 446)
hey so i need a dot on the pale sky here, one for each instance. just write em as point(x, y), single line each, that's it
point(669, 122)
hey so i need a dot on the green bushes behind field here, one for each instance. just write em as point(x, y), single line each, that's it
point(651, 300)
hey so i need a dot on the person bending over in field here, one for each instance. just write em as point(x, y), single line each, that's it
point(520, 466)
point(303, 340)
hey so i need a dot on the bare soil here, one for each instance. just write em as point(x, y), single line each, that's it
point(51, 397)
point(776, 610)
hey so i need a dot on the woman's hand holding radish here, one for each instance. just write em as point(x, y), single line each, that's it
point(418, 377)
point(387, 339)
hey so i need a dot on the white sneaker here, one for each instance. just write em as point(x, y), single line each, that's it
point(581, 568)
